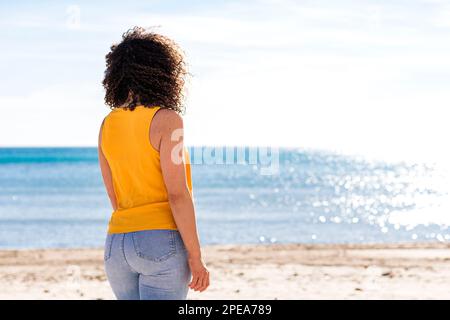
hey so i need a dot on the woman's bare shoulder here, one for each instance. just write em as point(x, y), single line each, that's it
point(167, 119)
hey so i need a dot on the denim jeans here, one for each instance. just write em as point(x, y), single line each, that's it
point(147, 265)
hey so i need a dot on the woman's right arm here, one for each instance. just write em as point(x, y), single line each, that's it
point(171, 149)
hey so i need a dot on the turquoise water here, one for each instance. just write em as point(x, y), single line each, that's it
point(54, 197)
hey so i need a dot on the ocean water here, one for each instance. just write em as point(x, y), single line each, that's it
point(54, 197)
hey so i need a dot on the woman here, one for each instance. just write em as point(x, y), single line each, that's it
point(152, 247)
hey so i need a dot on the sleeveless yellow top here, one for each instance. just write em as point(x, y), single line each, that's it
point(141, 195)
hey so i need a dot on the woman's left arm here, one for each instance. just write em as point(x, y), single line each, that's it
point(106, 171)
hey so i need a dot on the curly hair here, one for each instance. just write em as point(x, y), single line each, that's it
point(147, 69)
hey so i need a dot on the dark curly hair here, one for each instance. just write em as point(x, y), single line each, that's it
point(147, 69)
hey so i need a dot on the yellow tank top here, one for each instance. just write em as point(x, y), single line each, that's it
point(141, 195)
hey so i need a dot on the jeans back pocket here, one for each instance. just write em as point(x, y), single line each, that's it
point(108, 245)
point(154, 245)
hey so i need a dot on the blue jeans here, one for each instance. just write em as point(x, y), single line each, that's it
point(147, 265)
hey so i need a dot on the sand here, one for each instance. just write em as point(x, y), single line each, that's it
point(292, 271)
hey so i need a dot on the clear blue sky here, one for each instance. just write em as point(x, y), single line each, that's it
point(366, 77)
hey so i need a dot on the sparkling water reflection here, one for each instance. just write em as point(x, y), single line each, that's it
point(327, 198)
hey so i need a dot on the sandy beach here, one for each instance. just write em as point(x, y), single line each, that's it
point(291, 271)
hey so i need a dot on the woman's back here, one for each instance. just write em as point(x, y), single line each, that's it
point(141, 195)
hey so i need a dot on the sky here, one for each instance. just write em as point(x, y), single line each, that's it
point(359, 77)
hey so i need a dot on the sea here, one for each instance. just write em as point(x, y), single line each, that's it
point(55, 198)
